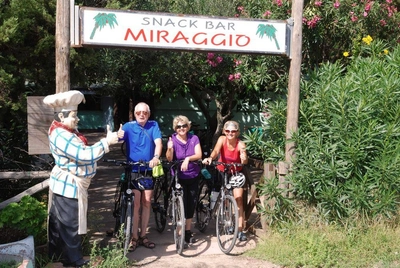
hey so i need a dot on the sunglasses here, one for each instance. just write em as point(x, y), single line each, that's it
point(181, 126)
point(230, 131)
point(141, 112)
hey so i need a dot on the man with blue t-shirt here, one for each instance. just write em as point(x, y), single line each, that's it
point(143, 143)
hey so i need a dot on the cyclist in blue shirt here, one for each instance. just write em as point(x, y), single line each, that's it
point(143, 143)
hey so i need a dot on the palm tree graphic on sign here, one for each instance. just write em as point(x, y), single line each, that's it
point(101, 20)
point(268, 30)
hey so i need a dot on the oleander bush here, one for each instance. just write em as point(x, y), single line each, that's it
point(348, 141)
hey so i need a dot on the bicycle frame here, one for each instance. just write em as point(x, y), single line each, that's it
point(123, 207)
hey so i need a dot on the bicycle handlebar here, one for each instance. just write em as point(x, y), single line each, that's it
point(216, 163)
point(127, 163)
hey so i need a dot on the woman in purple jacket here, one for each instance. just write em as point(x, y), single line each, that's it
point(185, 146)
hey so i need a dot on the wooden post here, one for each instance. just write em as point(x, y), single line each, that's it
point(293, 101)
point(62, 46)
point(294, 80)
point(269, 173)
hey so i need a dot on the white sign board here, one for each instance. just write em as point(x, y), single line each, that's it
point(117, 28)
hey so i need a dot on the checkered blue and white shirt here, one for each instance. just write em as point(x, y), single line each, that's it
point(73, 159)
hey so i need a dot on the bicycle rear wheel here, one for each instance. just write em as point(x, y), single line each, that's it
point(128, 227)
point(202, 207)
point(119, 207)
point(178, 223)
point(227, 224)
point(159, 205)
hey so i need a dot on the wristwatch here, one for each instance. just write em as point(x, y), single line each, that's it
point(156, 156)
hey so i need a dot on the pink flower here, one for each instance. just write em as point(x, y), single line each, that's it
point(267, 13)
point(382, 22)
point(237, 62)
point(212, 63)
point(279, 2)
point(365, 14)
point(336, 4)
point(367, 7)
point(318, 3)
point(354, 18)
point(389, 1)
point(219, 59)
point(304, 20)
point(313, 22)
point(210, 56)
point(233, 77)
point(240, 8)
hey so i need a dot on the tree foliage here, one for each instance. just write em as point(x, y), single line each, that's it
point(26, 66)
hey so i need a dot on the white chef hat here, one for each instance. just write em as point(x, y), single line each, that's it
point(65, 101)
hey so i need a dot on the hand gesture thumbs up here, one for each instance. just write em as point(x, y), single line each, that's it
point(170, 143)
point(112, 137)
point(121, 133)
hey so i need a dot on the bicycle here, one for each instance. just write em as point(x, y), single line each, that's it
point(168, 203)
point(224, 211)
point(123, 200)
point(161, 197)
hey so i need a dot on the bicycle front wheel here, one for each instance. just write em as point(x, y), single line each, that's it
point(202, 207)
point(227, 223)
point(178, 223)
point(128, 227)
point(159, 206)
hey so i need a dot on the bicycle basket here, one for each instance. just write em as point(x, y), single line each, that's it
point(237, 180)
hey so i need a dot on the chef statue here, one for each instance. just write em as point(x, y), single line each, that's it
point(75, 166)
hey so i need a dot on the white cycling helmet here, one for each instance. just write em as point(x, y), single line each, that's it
point(237, 180)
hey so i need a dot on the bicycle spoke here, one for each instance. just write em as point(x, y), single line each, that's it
point(202, 207)
point(127, 227)
point(179, 224)
point(159, 206)
point(227, 224)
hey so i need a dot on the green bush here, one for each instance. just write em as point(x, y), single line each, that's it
point(348, 142)
point(28, 215)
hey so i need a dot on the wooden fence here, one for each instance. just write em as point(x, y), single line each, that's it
point(25, 175)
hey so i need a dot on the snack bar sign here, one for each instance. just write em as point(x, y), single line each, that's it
point(116, 28)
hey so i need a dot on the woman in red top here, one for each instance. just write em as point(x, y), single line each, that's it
point(231, 150)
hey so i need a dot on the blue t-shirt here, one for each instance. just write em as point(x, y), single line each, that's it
point(139, 140)
point(182, 150)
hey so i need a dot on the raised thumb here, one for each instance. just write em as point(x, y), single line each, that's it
point(120, 126)
point(108, 128)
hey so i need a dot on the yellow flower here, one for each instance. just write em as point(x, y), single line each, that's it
point(346, 54)
point(385, 51)
point(367, 39)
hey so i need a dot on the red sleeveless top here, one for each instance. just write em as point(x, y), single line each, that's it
point(228, 156)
